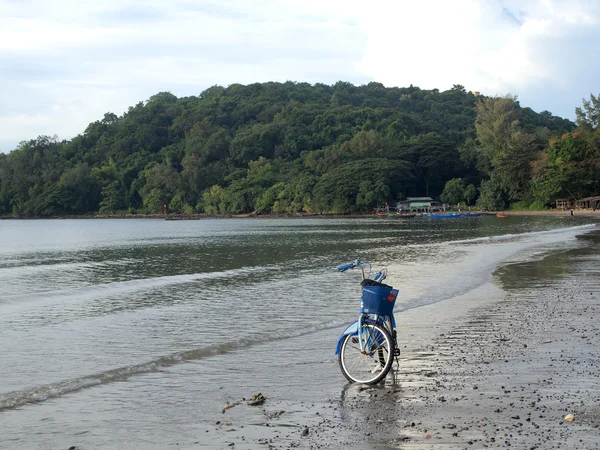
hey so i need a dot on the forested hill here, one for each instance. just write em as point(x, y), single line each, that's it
point(279, 147)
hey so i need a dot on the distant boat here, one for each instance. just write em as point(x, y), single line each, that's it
point(500, 215)
point(445, 216)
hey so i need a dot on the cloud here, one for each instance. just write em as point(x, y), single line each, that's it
point(494, 47)
point(67, 62)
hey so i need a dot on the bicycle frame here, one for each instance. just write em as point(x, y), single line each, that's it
point(388, 322)
point(356, 328)
point(372, 359)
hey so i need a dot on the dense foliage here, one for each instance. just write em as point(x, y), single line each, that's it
point(293, 147)
point(570, 166)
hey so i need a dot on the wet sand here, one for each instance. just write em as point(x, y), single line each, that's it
point(556, 212)
point(507, 377)
point(499, 371)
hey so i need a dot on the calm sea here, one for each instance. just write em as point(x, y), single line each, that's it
point(135, 333)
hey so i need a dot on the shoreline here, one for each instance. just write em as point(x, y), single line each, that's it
point(502, 366)
point(508, 376)
point(521, 344)
point(176, 216)
point(554, 212)
point(191, 216)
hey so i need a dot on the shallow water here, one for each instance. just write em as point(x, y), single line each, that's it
point(137, 332)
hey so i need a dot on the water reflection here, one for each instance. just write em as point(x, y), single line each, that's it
point(548, 267)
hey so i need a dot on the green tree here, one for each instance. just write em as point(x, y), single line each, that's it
point(588, 116)
point(497, 119)
point(113, 198)
point(505, 150)
point(238, 197)
point(264, 204)
point(79, 191)
point(454, 191)
point(491, 195)
point(319, 141)
point(371, 194)
point(470, 194)
point(338, 189)
point(161, 184)
point(569, 168)
point(212, 198)
point(177, 204)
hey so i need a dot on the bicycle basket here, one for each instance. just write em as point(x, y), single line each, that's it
point(378, 300)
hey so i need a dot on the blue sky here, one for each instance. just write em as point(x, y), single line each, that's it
point(64, 63)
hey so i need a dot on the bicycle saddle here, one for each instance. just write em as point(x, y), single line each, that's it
point(368, 282)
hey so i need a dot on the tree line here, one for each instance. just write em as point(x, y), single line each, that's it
point(296, 147)
point(525, 167)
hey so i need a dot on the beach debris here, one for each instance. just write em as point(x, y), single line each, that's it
point(569, 418)
point(256, 399)
point(274, 414)
point(229, 405)
point(304, 432)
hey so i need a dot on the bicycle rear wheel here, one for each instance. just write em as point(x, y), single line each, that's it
point(371, 365)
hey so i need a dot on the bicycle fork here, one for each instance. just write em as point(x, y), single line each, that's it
point(366, 342)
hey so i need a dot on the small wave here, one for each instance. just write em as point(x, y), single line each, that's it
point(122, 287)
point(16, 399)
point(32, 269)
point(475, 268)
point(502, 237)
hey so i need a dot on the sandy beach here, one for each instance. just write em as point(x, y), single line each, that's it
point(496, 372)
point(507, 377)
point(498, 329)
point(556, 212)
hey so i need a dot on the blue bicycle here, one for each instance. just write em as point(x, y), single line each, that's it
point(366, 349)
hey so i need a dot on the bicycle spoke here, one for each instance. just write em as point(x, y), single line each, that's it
point(371, 364)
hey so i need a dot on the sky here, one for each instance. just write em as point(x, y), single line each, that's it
point(65, 63)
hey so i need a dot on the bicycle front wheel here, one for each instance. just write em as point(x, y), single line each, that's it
point(371, 364)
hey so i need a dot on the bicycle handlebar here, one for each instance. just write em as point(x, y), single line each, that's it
point(352, 265)
point(379, 276)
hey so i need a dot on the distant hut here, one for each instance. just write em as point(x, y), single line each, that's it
point(420, 204)
point(592, 203)
point(563, 203)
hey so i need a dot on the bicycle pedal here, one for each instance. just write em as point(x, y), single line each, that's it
point(396, 351)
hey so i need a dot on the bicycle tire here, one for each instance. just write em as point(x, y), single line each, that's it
point(369, 366)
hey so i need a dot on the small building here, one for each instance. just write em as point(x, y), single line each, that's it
point(563, 203)
point(420, 204)
point(592, 203)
